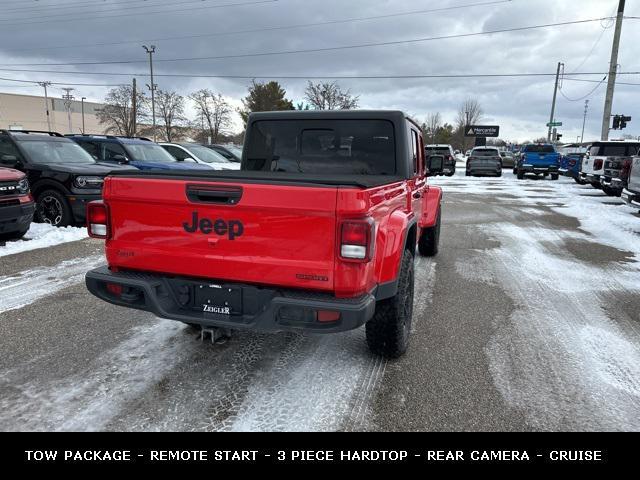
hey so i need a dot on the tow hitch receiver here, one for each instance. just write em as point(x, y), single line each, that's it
point(218, 336)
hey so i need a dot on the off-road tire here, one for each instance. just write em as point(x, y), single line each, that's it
point(388, 331)
point(49, 200)
point(430, 239)
point(554, 176)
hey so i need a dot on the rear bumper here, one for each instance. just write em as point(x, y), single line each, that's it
point(529, 168)
point(632, 198)
point(590, 177)
point(252, 308)
point(16, 218)
point(613, 183)
point(475, 169)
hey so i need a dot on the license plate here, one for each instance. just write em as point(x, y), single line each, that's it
point(218, 299)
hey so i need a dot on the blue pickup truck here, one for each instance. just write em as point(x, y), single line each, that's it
point(571, 166)
point(539, 159)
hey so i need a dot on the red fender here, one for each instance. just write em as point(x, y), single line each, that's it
point(394, 233)
point(431, 199)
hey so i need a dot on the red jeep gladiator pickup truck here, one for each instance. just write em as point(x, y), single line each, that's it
point(16, 204)
point(316, 232)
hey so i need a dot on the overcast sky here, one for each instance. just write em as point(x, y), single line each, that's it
point(34, 31)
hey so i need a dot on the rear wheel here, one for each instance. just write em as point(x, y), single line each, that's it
point(430, 239)
point(53, 208)
point(520, 174)
point(554, 176)
point(388, 331)
point(578, 181)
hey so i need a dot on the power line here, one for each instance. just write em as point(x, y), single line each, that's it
point(310, 77)
point(100, 12)
point(33, 82)
point(73, 5)
point(146, 13)
point(585, 96)
point(604, 29)
point(276, 28)
point(316, 50)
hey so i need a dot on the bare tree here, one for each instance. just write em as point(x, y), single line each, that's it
point(469, 113)
point(214, 110)
point(118, 111)
point(170, 108)
point(434, 123)
point(329, 96)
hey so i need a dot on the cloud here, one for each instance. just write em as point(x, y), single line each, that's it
point(520, 105)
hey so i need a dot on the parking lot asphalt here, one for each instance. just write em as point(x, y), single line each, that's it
point(528, 319)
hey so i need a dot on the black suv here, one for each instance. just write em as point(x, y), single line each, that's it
point(231, 153)
point(62, 175)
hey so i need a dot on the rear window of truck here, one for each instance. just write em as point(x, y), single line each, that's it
point(539, 149)
point(613, 150)
point(363, 147)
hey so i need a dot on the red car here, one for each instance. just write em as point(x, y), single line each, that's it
point(317, 231)
point(16, 204)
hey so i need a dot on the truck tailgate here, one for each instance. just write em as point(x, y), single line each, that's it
point(252, 232)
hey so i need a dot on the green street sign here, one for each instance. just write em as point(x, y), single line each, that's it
point(554, 124)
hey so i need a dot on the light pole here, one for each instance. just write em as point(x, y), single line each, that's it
point(67, 103)
point(46, 102)
point(151, 50)
point(584, 120)
point(82, 106)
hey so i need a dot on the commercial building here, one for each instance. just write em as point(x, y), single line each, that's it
point(27, 112)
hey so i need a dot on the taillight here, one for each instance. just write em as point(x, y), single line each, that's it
point(97, 219)
point(625, 171)
point(597, 164)
point(357, 240)
point(572, 162)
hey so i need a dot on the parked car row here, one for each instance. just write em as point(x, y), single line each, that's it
point(63, 173)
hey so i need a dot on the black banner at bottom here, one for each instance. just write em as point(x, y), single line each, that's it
point(358, 449)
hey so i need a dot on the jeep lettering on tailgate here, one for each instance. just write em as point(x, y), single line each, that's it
point(232, 228)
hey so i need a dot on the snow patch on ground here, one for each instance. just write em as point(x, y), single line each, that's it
point(561, 358)
point(26, 287)
point(86, 402)
point(42, 235)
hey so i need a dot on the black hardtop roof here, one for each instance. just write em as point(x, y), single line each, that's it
point(392, 115)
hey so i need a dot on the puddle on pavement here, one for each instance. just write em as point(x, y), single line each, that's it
point(596, 253)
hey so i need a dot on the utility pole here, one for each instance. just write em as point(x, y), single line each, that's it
point(584, 120)
point(151, 50)
point(613, 72)
point(67, 97)
point(553, 104)
point(46, 102)
point(82, 106)
point(134, 109)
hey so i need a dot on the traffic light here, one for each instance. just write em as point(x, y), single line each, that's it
point(620, 122)
point(616, 122)
point(623, 121)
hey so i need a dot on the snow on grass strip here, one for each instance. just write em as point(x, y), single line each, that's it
point(42, 235)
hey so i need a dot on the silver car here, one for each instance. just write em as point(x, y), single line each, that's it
point(484, 161)
point(508, 160)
